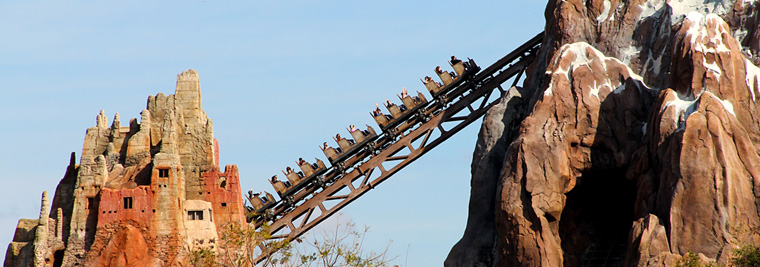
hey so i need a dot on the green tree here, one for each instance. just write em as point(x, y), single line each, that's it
point(746, 256)
point(202, 257)
point(692, 260)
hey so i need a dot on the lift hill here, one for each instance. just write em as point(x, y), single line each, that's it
point(356, 166)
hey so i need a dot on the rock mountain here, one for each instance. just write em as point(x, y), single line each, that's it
point(635, 141)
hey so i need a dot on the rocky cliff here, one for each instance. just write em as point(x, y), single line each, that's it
point(141, 195)
point(635, 140)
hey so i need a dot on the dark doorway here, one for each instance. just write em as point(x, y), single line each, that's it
point(58, 258)
point(597, 218)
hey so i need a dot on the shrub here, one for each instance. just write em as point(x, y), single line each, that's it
point(748, 255)
point(692, 260)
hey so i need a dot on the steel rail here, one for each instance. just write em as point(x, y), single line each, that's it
point(411, 145)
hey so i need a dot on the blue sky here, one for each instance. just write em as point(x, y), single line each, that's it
point(278, 78)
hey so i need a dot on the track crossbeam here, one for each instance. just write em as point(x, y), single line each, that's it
point(474, 99)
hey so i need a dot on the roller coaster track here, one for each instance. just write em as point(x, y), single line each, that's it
point(391, 152)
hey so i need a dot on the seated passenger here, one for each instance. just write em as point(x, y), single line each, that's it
point(351, 128)
point(324, 146)
point(395, 110)
point(314, 166)
point(275, 180)
point(300, 174)
point(404, 93)
point(377, 111)
point(454, 60)
point(428, 79)
point(287, 170)
point(301, 161)
point(337, 137)
point(438, 70)
point(388, 103)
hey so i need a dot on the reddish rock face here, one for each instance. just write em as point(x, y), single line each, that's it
point(590, 117)
point(126, 204)
point(639, 140)
point(703, 150)
point(222, 189)
point(127, 247)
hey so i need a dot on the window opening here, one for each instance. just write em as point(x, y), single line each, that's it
point(127, 202)
point(195, 215)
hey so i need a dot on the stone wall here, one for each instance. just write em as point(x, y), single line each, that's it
point(112, 206)
point(222, 190)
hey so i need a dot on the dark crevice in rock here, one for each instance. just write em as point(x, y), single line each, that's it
point(597, 218)
point(143, 177)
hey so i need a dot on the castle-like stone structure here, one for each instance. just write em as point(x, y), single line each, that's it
point(141, 195)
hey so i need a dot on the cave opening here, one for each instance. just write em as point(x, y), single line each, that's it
point(597, 218)
point(58, 258)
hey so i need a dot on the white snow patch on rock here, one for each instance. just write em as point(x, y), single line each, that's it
point(698, 35)
point(629, 53)
point(727, 105)
point(687, 105)
point(752, 79)
point(684, 106)
point(605, 13)
point(584, 58)
point(619, 89)
point(683, 7)
point(650, 8)
point(680, 8)
point(654, 63)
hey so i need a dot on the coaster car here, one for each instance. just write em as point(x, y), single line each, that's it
point(261, 203)
point(298, 180)
point(462, 71)
point(279, 186)
point(348, 147)
point(398, 113)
